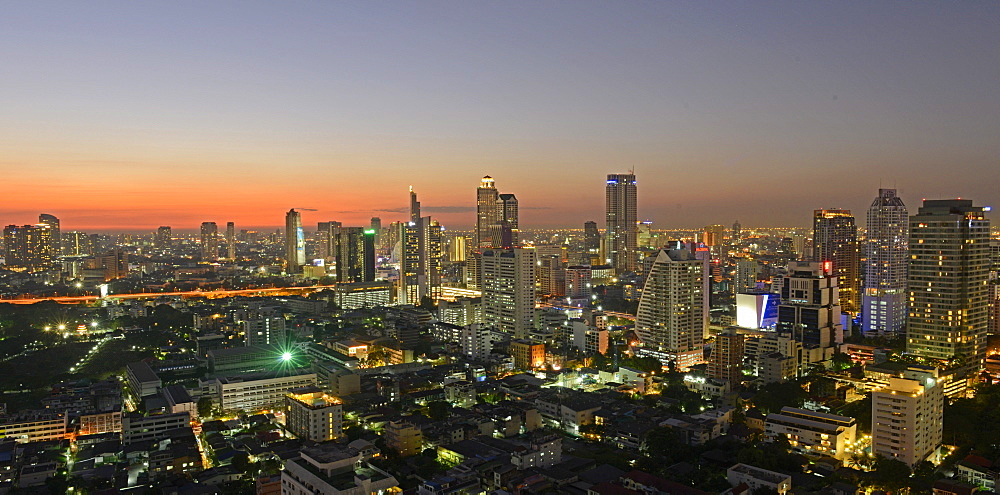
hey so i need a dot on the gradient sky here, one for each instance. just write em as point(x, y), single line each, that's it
point(131, 115)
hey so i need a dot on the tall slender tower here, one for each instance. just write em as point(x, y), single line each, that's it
point(53, 223)
point(507, 217)
point(486, 210)
point(230, 240)
point(621, 226)
point(948, 277)
point(414, 206)
point(883, 304)
point(835, 239)
point(209, 241)
point(295, 242)
point(673, 308)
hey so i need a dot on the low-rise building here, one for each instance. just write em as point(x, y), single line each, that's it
point(759, 479)
point(313, 414)
point(813, 432)
point(332, 470)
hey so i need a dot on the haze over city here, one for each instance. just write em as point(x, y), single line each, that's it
point(128, 116)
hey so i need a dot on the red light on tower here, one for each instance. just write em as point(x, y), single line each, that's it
point(828, 267)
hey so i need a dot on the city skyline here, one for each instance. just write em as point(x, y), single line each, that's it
point(142, 115)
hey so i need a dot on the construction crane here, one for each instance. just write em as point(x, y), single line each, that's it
point(305, 209)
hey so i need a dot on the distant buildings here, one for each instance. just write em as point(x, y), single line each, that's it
point(209, 241)
point(883, 304)
point(295, 243)
point(948, 277)
point(30, 248)
point(621, 217)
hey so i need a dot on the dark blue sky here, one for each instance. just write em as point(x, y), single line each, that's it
point(182, 112)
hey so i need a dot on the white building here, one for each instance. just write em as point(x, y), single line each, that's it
point(907, 417)
point(253, 392)
point(313, 415)
point(508, 285)
point(673, 309)
point(334, 470)
point(813, 432)
point(759, 479)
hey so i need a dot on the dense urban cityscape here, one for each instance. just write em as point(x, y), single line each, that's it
point(409, 358)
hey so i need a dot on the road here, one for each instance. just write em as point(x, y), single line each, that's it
point(152, 295)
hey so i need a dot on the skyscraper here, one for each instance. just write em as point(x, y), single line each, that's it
point(376, 225)
point(164, 237)
point(883, 305)
point(726, 362)
point(835, 239)
point(326, 239)
point(487, 198)
point(53, 224)
point(419, 260)
point(621, 218)
point(673, 308)
point(355, 253)
point(209, 241)
point(295, 242)
point(230, 241)
point(948, 276)
point(28, 248)
point(414, 206)
point(508, 286)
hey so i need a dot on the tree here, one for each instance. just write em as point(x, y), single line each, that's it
point(890, 474)
point(205, 407)
point(438, 410)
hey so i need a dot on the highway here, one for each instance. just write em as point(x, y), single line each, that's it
point(275, 291)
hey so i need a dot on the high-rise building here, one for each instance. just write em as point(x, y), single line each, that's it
point(355, 253)
point(264, 329)
point(29, 248)
point(726, 361)
point(230, 240)
point(673, 308)
point(621, 218)
point(713, 235)
point(78, 243)
point(810, 307)
point(907, 417)
point(209, 241)
point(164, 237)
point(326, 239)
point(948, 277)
point(883, 302)
point(420, 251)
point(737, 231)
point(746, 275)
point(487, 198)
point(578, 283)
point(835, 239)
point(414, 206)
point(456, 249)
point(295, 242)
point(507, 216)
point(53, 223)
point(508, 285)
point(376, 225)
point(313, 415)
point(591, 237)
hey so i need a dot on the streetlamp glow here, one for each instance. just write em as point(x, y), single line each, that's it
point(286, 356)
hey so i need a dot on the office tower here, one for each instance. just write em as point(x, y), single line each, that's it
point(591, 237)
point(810, 308)
point(621, 217)
point(737, 231)
point(835, 239)
point(550, 274)
point(419, 260)
point(948, 275)
point(326, 239)
point(313, 415)
point(28, 248)
point(883, 302)
point(456, 249)
point(907, 417)
point(746, 275)
point(230, 240)
point(295, 243)
point(264, 329)
point(355, 253)
point(376, 225)
point(53, 223)
point(164, 237)
point(414, 206)
point(209, 241)
point(673, 308)
point(726, 361)
point(507, 215)
point(713, 235)
point(487, 198)
point(508, 285)
point(77, 243)
point(502, 236)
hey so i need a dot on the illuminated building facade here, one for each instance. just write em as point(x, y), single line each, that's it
point(487, 198)
point(508, 286)
point(29, 248)
point(907, 417)
point(835, 239)
point(53, 223)
point(355, 253)
point(295, 242)
point(314, 415)
point(230, 241)
point(621, 230)
point(810, 306)
point(209, 241)
point(883, 302)
point(673, 308)
point(948, 281)
point(164, 238)
point(726, 362)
